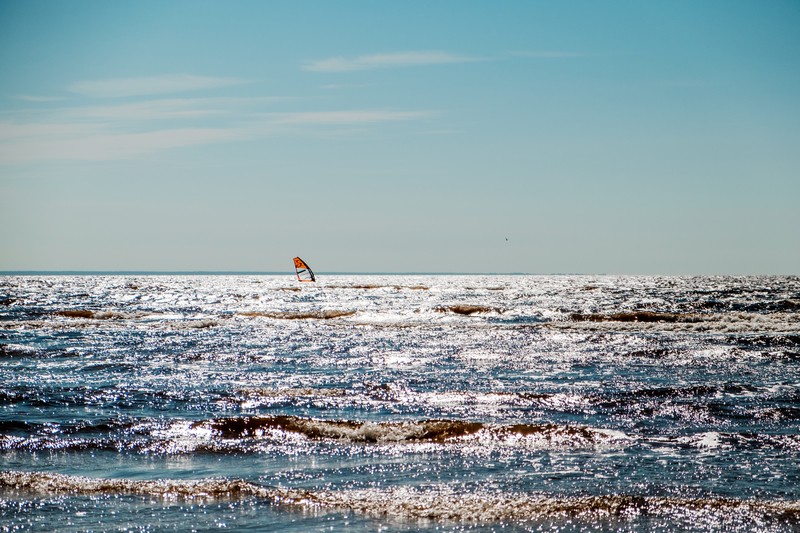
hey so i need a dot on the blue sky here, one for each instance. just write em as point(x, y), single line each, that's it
point(533, 136)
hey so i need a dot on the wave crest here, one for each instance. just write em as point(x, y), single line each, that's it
point(433, 431)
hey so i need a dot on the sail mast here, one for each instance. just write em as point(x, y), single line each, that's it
point(303, 271)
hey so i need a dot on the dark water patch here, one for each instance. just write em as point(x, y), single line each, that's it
point(734, 391)
point(779, 414)
point(729, 292)
point(790, 355)
point(634, 316)
point(704, 305)
point(35, 399)
point(757, 441)
point(788, 305)
point(107, 367)
point(8, 427)
point(776, 306)
point(651, 353)
point(91, 427)
point(766, 341)
point(134, 435)
point(533, 396)
point(467, 309)
point(80, 427)
point(299, 315)
point(776, 346)
point(672, 393)
point(716, 405)
point(741, 441)
point(8, 351)
point(109, 396)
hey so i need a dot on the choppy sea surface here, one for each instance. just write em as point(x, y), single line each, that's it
point(399, 403)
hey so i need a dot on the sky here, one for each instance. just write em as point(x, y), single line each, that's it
point(597, 137)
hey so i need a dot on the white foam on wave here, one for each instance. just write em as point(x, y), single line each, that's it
point(181, 436)
point(709, 440)
point(195, 324)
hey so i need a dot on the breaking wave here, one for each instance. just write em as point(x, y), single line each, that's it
point(248, 434)
point(435, 431)
point(242, 433)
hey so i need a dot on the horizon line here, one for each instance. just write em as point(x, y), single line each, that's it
point(249, 273)
point(345, 273)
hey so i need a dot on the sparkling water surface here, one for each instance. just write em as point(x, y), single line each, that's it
point(399, 403)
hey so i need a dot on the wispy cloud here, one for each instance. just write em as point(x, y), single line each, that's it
point(103, 133)
point(38, 99)
point(147, 110)
point(16, 131)
point(550, 54)
point(120, 131)
point(340, 86)
point(70, 142)
point(390, 60)
point(146, 86)
point(159, 109)
point(369, 116)
point(688, 84)
point(141, 121)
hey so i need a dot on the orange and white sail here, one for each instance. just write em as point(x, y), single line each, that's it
point(304, 272)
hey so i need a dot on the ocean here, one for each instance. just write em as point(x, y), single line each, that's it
point(132, 402)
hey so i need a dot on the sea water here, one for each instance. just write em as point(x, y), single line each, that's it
point(399, 403)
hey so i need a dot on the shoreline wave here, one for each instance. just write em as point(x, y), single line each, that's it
point(437, 503)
